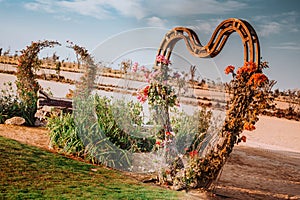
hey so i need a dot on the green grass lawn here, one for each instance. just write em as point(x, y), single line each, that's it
point(28, 172)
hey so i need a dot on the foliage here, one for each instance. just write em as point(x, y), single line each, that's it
point(64, 134)
point(86, 84)
point(111, 130)
point(121, 123)
point(161, 93)
point(10, 106)
point(190, 130)
point(249, 96)
point(27, 86)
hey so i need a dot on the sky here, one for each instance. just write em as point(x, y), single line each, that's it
point(115, 30)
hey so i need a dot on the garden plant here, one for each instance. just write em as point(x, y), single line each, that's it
point(183, 150)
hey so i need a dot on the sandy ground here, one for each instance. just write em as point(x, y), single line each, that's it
point(267, 166)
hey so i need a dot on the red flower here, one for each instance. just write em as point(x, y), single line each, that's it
point(146, 90)
point(143, 94)
point(157, 142)
point(243, 138)
point(193, 153)
point(229, 69)
point(169, 133)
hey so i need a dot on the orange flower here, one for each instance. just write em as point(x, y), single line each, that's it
point(249, 127)
point(257, 79)
point(241, 70)
point(251, 66)
point(229, 69)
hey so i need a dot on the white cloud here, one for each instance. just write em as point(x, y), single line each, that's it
point(63, 18)
point(100, 9)
point(287, 46)
point(207, 26)
point(90, 8)
point(40, 5)
point(269, 28)
point(156, 22)
point(129, 8)
point(169, 8)
point(139, 9)
point(274, 24)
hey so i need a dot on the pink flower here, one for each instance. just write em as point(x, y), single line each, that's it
point(160, 58)
point(143, 68)
point(154, 74)
point(176, 75)
point(136, 64)
point(135, 67)
point(147, 75)
point(167, 62)
point(141, 98)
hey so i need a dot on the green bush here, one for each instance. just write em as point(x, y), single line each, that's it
point(64, 134)
point(121, 122)
point(12, 106)
point(190, 130)
point(83, 138)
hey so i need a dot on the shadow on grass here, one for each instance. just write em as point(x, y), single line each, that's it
point(31, 173)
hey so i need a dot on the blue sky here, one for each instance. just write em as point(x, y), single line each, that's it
point(120, 28)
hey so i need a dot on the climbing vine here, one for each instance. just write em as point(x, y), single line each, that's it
point(27, 86)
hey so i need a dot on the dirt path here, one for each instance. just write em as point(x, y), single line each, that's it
point(251, 173)
point(27, 135)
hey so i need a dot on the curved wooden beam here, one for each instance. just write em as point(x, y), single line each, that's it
point(217, 41)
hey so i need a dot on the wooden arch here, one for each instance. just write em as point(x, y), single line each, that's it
point(217, 41)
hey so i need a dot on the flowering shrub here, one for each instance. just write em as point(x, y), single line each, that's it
point(249, 96)
point(160, 93)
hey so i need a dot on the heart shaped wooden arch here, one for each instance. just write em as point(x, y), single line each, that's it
point(217, 41)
